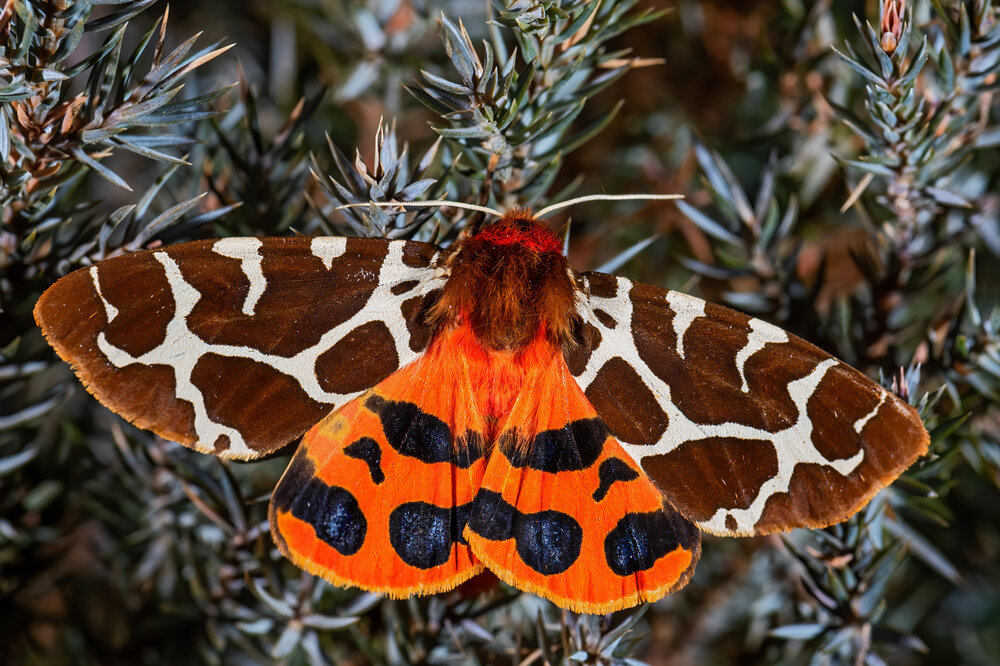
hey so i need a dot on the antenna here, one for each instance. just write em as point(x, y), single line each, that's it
point(607, 197)
point(497, 213)
point(423, 204)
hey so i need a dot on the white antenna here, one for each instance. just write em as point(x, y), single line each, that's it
point(493, 211)
point(423, 204)
point(607, 197)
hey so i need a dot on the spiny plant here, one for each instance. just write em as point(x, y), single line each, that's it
point(123, 547)
point(923, 214)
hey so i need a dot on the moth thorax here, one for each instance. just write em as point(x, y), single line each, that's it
point(511, 283)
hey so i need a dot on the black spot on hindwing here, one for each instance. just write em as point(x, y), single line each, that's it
point(332, 511)
point(547, 541)
point(640, 539)
point(423, 534)
point(469, 448)
point(415, 433)
point(573, 447)
point(411, 431)
point(611, 470)
point(369, 452)
point(493, 518)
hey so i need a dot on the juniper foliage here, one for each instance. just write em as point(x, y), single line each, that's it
point(841, 182)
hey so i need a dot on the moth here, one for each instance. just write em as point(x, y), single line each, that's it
point(480, 406)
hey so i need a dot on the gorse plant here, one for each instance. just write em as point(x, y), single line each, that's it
point(841, 183)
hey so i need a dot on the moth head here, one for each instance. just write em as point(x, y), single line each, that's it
point(519, 227)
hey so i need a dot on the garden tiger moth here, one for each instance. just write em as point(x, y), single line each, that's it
point(482, 405)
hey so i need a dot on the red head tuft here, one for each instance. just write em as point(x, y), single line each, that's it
point(519, 227)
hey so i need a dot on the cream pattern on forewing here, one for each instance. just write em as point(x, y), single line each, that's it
point(328, 248)
point(761, 333)
point(686, 311)
point(109, 310)
point(181, 349)
point(793, 444)
point(247, 251)
point(860, 424)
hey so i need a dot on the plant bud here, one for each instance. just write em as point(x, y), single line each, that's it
point(893, 12)
point(888, 42)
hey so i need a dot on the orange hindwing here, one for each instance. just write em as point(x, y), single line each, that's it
point(378, 494)
point(564, 512)
point(384, 495)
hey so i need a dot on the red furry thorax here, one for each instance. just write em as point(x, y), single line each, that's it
point(511, 284)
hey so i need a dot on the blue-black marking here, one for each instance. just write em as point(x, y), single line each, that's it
point(573, 447)
point(369, 452)
point(415, 433)
point(469, 448)
point(611, 470)
point(332, 511)
point(640, 539)
point(547, 541)
point(423, 534)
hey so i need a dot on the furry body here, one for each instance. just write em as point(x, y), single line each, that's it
point(511, 283)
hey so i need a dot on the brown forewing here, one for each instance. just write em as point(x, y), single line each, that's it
point(237, 346)
point(745, 428)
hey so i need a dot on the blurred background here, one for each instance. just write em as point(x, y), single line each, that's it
point(839, 164)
